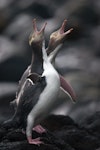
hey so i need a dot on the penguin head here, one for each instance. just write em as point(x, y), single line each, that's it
point(58, 37)
point(36, 38)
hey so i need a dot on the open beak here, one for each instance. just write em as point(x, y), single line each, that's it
point(58, 37)
point(37, 36)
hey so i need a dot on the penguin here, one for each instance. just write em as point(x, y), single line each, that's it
point(47, 98)
point(35, 41)
point(56, 41)
point(37, 98)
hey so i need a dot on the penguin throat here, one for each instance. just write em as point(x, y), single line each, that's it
point(37, 64)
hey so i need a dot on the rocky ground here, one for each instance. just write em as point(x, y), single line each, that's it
point(63, 133)
point(78, 61)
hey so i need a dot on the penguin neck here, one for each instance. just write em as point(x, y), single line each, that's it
point(46, 62)
point(53, 54)
point(36, 63)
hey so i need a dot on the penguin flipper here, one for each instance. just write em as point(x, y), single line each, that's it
point(66, 87)
point(34, 77)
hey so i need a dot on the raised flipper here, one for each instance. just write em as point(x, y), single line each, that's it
point(66, 87)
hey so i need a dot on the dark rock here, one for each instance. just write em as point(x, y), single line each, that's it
point(14, 135)
point(92, 124)
point(15, 139)
point(7, 94)
point(2, 133)
point(57, 122)
point(79, 138)
point(66, 135)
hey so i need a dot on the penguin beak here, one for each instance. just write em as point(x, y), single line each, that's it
point(58, 37)
point(37, 36)
point(66, 87)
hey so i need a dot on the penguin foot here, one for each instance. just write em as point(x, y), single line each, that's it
point(39, 129)
point(36, 141)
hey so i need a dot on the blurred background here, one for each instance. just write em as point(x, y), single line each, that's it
point(78, 61)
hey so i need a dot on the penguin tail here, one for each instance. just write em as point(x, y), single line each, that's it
point(10, 124)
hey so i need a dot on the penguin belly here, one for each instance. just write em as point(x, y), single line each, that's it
point(47, 98)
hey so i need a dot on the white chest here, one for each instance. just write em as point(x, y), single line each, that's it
point(49, 95)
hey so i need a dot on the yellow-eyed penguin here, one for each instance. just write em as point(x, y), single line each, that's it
point(38, 98)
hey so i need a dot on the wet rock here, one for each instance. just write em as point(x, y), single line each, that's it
point(66, 135)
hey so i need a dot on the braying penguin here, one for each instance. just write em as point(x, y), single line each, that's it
point(35, 41)
point(37, 99)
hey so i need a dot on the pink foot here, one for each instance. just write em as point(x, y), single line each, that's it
point(39, 129)
point(35, 141)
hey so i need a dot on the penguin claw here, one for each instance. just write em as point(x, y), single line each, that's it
point(36, 141)
point(39, 129)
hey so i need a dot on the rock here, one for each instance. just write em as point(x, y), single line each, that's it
point(58, 122)
point(78, 138)
point(16, 139)
point(92, 124)
point(12, 63)
point(62, 133)
point(7, 94)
